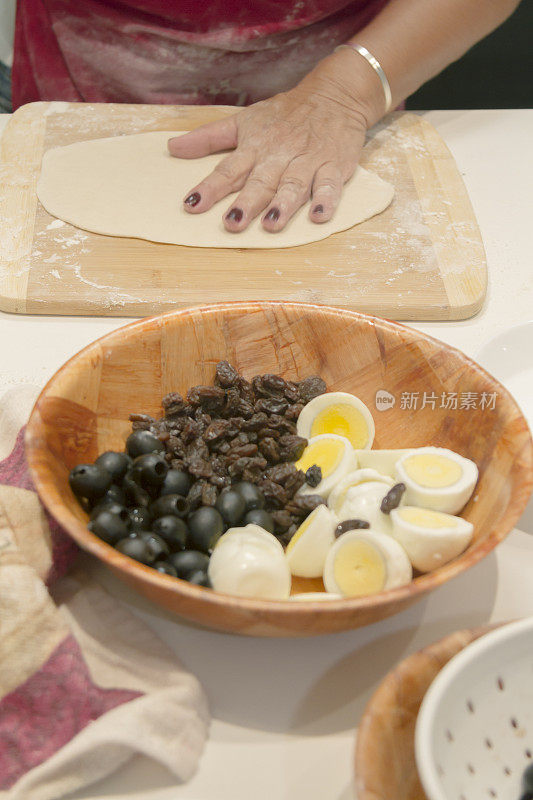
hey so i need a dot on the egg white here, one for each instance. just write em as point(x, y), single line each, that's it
point(364, 502)
point(448, 499)
point(383, 461)
point(314, 596)
point(358, 477)
point(250, 564)
point(306, 553)
point(319, 404)
point(345, 464)
point(252, 533)
point(430, 547)
point(398, 569)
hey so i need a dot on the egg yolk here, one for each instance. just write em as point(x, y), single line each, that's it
point(327, 453)
point(301, 530)
point(359, 569)
point(432, 470)
point(424, 518)
point(344, 420)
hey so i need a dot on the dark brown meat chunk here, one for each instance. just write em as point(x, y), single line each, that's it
point(292, 447)
point(303, 504)
point(226, 375)
point(311, 387)
point(173, 404)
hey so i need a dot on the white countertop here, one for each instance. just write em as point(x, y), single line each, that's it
point(285, 711)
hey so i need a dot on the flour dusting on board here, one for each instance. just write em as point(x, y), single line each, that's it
point(14, 246)
point(424, 223)
point(410, 233)
point(71, 246)
point(115, 297)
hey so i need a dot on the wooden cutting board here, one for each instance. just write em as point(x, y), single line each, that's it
point(421, 259)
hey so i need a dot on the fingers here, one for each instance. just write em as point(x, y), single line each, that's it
point(327, 190)
point(274, 185)
point(271, 185)
point(293, 191)
point(210, 138)
point(257, 193)
point(228, 176)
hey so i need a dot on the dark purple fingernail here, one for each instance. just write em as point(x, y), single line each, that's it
point(318, 209)
point(193, 199)
point(273, 214)
point(235, 214)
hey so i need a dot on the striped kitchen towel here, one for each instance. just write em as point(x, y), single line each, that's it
point(84, 685)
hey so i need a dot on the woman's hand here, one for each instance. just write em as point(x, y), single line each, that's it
point(304, 142)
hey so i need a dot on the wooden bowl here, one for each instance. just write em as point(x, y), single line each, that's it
point(84, 408)
point(385, 767)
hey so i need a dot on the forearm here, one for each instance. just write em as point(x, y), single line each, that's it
point(413, 40)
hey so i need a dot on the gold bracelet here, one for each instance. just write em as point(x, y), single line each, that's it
point(376, 66)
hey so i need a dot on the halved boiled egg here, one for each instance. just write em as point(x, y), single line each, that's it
point(356, 478)
point(340, 413)
point(430, 538)
point(308, 548)
point(250, 563)
point(316, 596)
point(365, 562)
point(335, 457)
point(437, 478)
point(383, 461)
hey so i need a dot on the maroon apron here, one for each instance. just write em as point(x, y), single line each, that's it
point(175, 51)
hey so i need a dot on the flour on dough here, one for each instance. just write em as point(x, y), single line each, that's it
point(131, 186)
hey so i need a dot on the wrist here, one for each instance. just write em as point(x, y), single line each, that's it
point(352, 81)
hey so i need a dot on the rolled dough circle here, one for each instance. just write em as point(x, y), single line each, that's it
point(131, 186)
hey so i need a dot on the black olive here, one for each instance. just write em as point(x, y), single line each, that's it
point(135, 547)
point(113, 508)
point(140, 442)
point(232, 506)
point(157, 546)
point(350, 525)
point(117, 464)
point(165, 568)
point(199, 578)
point(90, 481)
point(170, 504)
point(206, 526)
point(258, 516)
point(140, 518)
point(149, 470)
point(252, 496)
point(109, 527)
point(139, 527)
point(176, 482)
point(115, 494)
point(393, 498)
point(187, 562)
point(313, 476)
point(172, 529)
point(135, 494)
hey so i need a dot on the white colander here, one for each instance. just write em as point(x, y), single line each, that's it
point(474, 732)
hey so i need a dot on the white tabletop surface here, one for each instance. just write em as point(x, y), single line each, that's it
point(285, 712)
